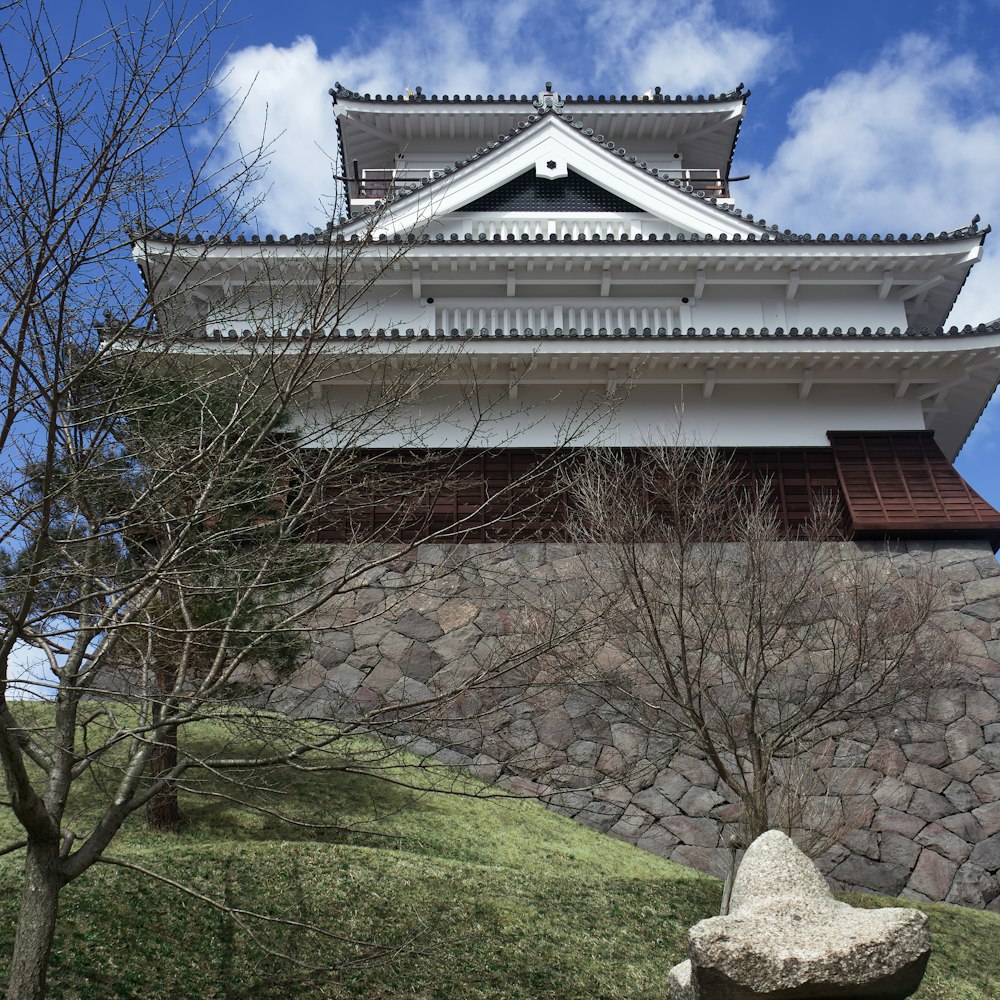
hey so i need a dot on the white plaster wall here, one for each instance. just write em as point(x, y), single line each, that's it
point(544, 416)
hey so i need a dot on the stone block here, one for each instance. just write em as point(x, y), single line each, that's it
point(658, 839)
point(929, 806)
point(932, 875)
point(899, 851)
point(862, 842)
point(944, 842)
point(894, 821)
point(922, 776)
point(629, 739)
point(694, 832)
point(633, 823)
point(571, 775)
point(985, 610)
point(674, 785)
point(967, 769)
point(973, 886)
point(851, 780)
point(555, 728)
point(961, 796)
point(963, 572)
point(981, 707)
point(459, 642)
point(963, 737)
point(987, 786)
point(893, 792)
point(887, 757)
point(332, 648)
point(947, 554)
point(519, 735)
point(988, 817)
point(407, 690)
point(420, 662)
point(579, 704)
point(653, 801)
point(344, 680)
point(698, 772)
point(873, 876)
point(583, 752)
point(964, 825)
point(988, 565)
point(705, 859)
point(699, 801)
point(922, 731)
point(990, 753)
point(612, 763)
point(986, 853)
point(946, 706)
point(983, 590)
point(456, 613)
point(393, 646)
point(600, 815)
point(640, 775)
point(929, 754)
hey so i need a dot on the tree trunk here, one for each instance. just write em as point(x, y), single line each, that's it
point(37, 922)
point(162, 810)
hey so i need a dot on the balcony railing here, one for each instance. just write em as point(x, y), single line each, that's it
point(374, 183)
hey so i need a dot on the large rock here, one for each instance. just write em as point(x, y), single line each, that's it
point(786, 937)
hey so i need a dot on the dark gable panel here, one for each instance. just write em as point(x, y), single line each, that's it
point(530, 193)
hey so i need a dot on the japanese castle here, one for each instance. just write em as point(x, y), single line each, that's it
point(579, 250)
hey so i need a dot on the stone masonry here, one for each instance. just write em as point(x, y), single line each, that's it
point(923, 793)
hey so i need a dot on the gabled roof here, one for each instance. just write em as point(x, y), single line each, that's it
point(586, 152)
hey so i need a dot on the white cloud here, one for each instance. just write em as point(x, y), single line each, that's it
point(910, 144)
point(467, 48)
point(907, 145)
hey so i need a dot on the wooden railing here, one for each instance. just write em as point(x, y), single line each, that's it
point(376, 182)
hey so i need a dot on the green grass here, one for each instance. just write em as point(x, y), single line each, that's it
point(465, 897)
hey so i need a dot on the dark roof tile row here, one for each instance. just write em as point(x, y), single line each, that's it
point(632, 333)
point(656, 97)
point(773, 235)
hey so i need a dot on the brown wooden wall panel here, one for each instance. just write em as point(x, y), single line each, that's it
point(885, 484)
point(901, 483)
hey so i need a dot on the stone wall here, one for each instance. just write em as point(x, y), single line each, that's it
point(924, 792)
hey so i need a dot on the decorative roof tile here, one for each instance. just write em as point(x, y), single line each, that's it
point(602, 333)
point(655, 97)
point(771, 235)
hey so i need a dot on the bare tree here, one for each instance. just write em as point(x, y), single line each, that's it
point(162, 491)
point(750, 641)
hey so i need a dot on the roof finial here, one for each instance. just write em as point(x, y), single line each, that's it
point(548, 100)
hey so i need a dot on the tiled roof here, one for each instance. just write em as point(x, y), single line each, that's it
point(769, 235)
point(656, 97)
point(632, 333)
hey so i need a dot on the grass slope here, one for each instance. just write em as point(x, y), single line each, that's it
point(468, 897)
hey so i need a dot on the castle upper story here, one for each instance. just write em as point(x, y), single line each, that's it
point(391, 141)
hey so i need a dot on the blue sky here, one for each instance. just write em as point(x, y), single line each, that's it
point(865, 115)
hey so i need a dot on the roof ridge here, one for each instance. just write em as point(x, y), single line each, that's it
point(330, 235)
point(417, 96)
point(632, 333)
